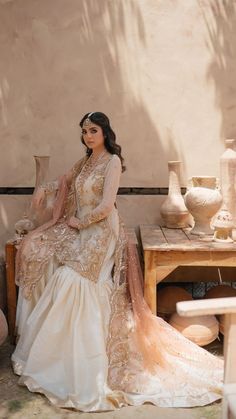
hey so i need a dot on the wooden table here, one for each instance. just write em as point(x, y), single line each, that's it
point(165, 249)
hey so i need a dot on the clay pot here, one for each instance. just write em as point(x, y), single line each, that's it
point(221, 291)
point(203, 201)
point(168, 297)
point(221, 319)
point(3, 328)
point(35, 216)
point(173, 209)
point(228, 177)
point(223, 225)
point(201, 330)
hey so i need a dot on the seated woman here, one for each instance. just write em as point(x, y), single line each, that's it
point(87, 338)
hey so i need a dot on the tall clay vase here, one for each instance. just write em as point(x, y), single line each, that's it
point(228, 177)
point(173, 209)
point(35, 217)
point(203, 201)
point(42, 167)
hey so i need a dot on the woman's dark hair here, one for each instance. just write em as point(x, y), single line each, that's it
point(102, 121)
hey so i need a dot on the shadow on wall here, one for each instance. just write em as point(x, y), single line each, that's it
point(61, 60)
point(221, 42)
point(71, 58)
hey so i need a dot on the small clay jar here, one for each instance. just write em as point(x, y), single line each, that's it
point(223, 225)
point(168, 297)
point(201, 330)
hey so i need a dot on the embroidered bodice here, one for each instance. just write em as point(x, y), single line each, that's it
point(96, 190)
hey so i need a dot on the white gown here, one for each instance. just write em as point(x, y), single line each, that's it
point(62, 351)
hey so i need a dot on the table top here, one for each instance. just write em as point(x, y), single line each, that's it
point(156, 237)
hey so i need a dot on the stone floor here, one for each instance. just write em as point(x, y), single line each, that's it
point(17, 402)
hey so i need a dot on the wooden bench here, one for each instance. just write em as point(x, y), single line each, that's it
point(165, 249)
point(226, 306)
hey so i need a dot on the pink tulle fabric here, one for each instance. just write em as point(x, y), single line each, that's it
point(147, 328)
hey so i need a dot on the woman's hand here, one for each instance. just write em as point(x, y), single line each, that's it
point(38, 198)
point(73, 222)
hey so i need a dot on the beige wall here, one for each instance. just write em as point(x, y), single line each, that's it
point(164, 71)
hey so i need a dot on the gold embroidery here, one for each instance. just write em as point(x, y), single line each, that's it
point(82, 251)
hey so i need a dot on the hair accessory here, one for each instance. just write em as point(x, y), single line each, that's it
point(88, 120)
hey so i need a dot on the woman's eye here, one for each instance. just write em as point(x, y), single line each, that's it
point(93, 131)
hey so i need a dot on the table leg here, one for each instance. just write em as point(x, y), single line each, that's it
point(150, 281)
point(162, 272)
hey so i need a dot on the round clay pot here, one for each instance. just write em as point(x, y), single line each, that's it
point(221, 291)
point(203, 200)
point(221, 319)
point(201, 330)
point(3, 328)
point(168, 297)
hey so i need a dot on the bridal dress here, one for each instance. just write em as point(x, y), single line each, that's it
point(87, 339)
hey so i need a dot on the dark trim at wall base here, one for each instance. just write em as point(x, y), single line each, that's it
point(122, 191)
point(8, 190)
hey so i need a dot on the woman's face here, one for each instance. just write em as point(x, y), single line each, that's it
point(93, 136)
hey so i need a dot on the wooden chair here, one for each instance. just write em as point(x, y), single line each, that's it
point(226, 306)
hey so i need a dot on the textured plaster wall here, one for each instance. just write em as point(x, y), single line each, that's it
point(164, 71)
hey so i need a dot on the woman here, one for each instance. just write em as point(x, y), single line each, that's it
point(87, 338)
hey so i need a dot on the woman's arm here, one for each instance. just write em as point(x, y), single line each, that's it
point(111, 185)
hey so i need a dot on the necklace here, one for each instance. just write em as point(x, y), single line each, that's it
point(93, 160)
point(89, 166)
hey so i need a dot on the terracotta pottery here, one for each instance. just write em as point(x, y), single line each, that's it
point(223, 225)
point(3, 328)
point(173, 209)
point(221, 291)
point(201, 330)
point(203, 200)
point(34, 218)
point(168, 297)
point(228, 177)
point(221, 319)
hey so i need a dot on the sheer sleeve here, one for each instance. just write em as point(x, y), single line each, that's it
point(111, 185)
